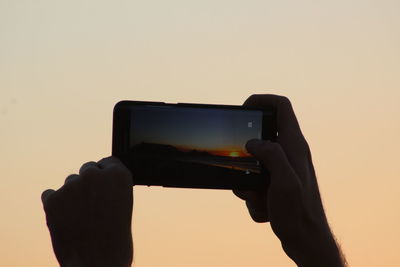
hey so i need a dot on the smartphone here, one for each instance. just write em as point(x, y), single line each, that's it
point(191, 145)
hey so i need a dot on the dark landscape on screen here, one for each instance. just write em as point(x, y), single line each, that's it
point(182, 142)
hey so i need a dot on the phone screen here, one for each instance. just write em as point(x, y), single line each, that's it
point(198, 140)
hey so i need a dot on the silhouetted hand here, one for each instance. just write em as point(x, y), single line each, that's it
point(89, 217)
point(292, 201)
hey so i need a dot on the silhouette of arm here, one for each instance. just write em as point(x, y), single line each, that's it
point(89, 217)
point(292, 202)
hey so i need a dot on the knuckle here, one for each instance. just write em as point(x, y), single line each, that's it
point(302, 145)
point(71, 177)
point(254, 96)
point(306, 149)
point(283, 100)
point(251, 100)
point(50, 203)
point(89, 173)
point(303, 142)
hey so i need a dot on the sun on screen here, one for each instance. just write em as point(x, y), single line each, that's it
point(234, 154)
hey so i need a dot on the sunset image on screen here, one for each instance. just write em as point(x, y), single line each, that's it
point(206, 137)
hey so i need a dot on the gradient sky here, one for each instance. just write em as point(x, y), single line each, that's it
point(201, 129)
point(64, 64)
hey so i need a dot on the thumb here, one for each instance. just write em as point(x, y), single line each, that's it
point(273, 158)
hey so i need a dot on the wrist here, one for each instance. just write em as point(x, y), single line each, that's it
point(110, 252)
point(314, 249)
point(101, 261)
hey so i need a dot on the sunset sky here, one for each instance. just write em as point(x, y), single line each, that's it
point(64, 65)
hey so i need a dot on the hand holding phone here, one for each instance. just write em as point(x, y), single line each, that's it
point(89, 217)
point(292, 202)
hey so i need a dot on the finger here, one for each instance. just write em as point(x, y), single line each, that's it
point(275, 161)
point(70, 178)
point(289, 133)
point(117, 170)
point(46, 194)
point(256, 203)
point(91, 165)
point(287, 122)
point(290, 136)
point(109, 161)
point(246, 194)
point(259, 213)
point(106, 162)
point(285, 193)
point(243, 195)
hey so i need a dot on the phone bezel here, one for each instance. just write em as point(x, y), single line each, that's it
point(120, 148)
